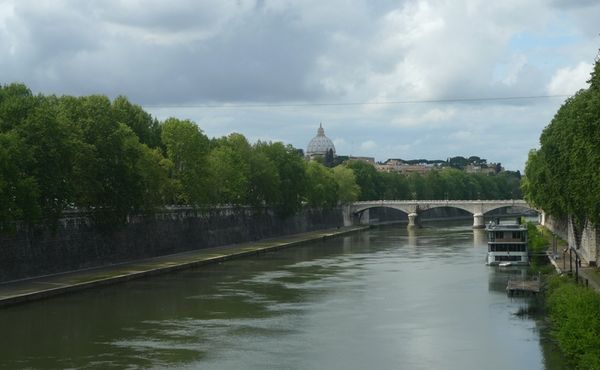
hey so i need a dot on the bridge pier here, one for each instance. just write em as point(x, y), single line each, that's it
point(478, 221)
point(412, 207)
point(413, 220)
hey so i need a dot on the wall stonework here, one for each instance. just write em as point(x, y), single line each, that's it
point(586, 241)
point(557, 226)
point(77, 244)
point(589, 243)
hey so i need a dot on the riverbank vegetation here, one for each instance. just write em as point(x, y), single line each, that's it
point(448, 183)
point(112, 159)
point(575, 316)
point(561, 177)
point(538, 243)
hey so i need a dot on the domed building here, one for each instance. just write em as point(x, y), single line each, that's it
point(320, 145)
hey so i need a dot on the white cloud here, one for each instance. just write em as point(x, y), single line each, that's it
point(569, 80)
point(430, 117)
point(368, 145)
point(284, 51)
point(461, 135)
point(339, 142)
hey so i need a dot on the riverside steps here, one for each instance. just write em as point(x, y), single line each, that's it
point(22, 291)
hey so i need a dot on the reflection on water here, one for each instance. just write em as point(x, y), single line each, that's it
point(412, 236)
point(387, 298)
point(479, 238)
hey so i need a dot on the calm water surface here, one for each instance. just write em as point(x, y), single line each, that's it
point(382, 299)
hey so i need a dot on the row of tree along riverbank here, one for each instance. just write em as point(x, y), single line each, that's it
point(113, 159)
point(561, 177)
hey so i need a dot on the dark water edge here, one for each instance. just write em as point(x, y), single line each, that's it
point(387, 298)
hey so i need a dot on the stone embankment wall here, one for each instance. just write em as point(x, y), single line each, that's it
point(558, 226)
point(77, 244)
point(586, 241)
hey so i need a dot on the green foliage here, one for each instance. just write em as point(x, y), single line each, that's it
point(52, 151)
point(229, 170)
point(443, 183)
point(348, 190)
point(323, 187)
point(537, 243)
point(187, 148)
point(112, 159)
point(561, 177)
point(19, 192)
point(575, 315)
point(367, 178)
point(139, 121)
point(16, 101)
point(264, 180)
point(291, 170)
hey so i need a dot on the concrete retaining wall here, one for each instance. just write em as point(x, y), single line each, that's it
point(77, 244)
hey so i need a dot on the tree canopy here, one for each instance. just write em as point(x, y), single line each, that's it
point(561, 177)
point(113, 159)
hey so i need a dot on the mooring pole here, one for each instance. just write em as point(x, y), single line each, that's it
point(570, 260)
point(576, 267)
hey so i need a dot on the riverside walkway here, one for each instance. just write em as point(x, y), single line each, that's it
point(47, 286)
point(562, 266)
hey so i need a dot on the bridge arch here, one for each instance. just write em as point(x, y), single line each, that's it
point(524, 207)
point(413, 207)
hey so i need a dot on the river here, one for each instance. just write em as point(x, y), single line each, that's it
point(386, 298)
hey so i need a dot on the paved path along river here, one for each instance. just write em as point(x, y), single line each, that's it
point(380, 299)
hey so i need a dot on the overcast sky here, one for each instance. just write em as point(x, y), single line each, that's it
point(208, 60)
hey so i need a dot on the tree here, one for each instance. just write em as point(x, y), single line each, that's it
point(187, 148)
point(229, 170)
point(291, 169)
point(348, 190)
point(264, 180)
point(19, 191)
point(52, 146)
point(367, 179)
point(418, 187)
point(110, 163)
point(322, 191)
point(561, 176)
point(458, 162)
point(16, 101)
point(140, 122)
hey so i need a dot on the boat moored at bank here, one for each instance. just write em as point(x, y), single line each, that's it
point(507, 244)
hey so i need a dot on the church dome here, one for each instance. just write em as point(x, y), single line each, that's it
point(320, 144)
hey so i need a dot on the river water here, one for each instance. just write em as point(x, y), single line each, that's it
point(386, 298)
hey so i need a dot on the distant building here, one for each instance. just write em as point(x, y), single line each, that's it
point(370, 160)
point(320, 145)
point(400, 166)
point(492, 168)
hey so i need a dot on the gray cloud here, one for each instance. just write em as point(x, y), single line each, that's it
point(280, 51)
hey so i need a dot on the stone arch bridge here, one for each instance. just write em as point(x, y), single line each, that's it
point(413, 207)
